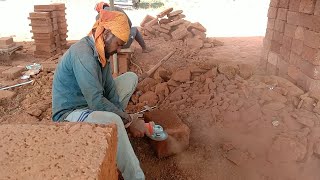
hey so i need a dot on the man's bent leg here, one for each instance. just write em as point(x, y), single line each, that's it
point(126, 85)
point(127, 161)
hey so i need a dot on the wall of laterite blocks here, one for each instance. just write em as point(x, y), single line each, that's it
point(292, 41)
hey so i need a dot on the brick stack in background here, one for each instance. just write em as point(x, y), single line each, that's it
point(49, 29)
point(6, 42)
point(171, 25)
point(292, 41)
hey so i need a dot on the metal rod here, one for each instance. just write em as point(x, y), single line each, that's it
point(145, 110)
point(111, 5)
point(8, 87)
point(115, 63)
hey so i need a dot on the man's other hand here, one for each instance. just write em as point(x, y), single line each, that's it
point(137, 127)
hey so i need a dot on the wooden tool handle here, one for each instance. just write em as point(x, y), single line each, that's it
point(154, 68)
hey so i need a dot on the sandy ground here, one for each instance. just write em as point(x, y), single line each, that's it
point(251, 127)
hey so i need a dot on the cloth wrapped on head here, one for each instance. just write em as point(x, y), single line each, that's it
point(114, 21)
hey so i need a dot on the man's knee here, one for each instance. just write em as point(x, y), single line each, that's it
point(132, 78)
point(102, 117)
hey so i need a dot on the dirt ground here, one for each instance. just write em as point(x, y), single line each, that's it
point(244, 124)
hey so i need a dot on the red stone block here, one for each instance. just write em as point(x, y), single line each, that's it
point(282, 67)
point(63, 31)
point(317, 8)
point(297, 46)
point(293, 18)
point(151, 23)
point(6, 95)
point(179, 33)
point(307, 6)
point(282, 14)
point(311, 39)
point(309, 69)
point(165, 36)
point(43, 29)
point(201, 34)
point(40, 15)
point(177, 17)
point(273, 58)
point(46, 47)
point(165, 26)
point(267, 44)
point(164, 13)
point(6, 40)
point(285, 53)
point(61, 19)
point(178, 132)
point(269, 34)
point(59, 6)
point(294, 59)
point(270, 24)
point(299, 34)
point(164, 21)
point(175, 23)
point(287, 42)
point(284, 4)
point(174, 13)
point(44, 35)
point(44, 8)
point(197, 26)
point(279, 25)
point(311, 55)
point(7, 46)
point(274, 3)
point(13, 72)
point(160, 29)
point(290, 30)
point(43, 54)
point(60, 13)
point(147, 19)
point(294, 5)
point(275, 47)
point(310, 21)
point(62, 25)
point(278, 36)
point(272, 12)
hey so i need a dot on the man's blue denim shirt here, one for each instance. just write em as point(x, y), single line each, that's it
point(81, 82)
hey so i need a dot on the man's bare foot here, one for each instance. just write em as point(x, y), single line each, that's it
point(146, 50)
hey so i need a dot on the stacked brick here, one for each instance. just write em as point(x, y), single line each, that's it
point(171, 25)
point(49, 28)
point(292, 41)
point(6, 43)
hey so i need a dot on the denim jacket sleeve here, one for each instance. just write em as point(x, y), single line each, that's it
point(86, 69)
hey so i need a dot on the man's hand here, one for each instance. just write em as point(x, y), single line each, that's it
point(137, 127)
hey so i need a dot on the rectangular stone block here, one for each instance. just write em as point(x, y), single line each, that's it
point(7, 46)
point(40, 15)
point(175, 23)
point(266, 44)
point(311, 55)
point(279, 25)
point(44, 35)
point(284, 4)
point(275, 47)
point(272, 12)
point(198, 33)
point(273, 58)
point(282, 67)
point(299, 34)
point(282, 14)
point(177, 17)
point(317, 9)
point(278, 36)
point(272, 69)
point(309, 69)
point(287, 42)
point(165, 26)
point(13, 72)
point(152, 22)
point(165, 36)
point(46, 47)
point(270, 24)
point(165, 12)
point(6, 40)
point(91, 154)
point(60, 13)
point(6, 95)
point(310, 21)
point(285, 53)
point(312, 86)
point(297, 46)
point(290, 30)
point(164, 21)
point(158, 28)
point(179, 33)
point(269, 34)
point(43, 29)
point(311, 39)
point(178, 132)
point(294, 59)
point(307, 6)
point(293, 18)
point(146, 19)
point(294, 5)
point(274, 3)
point(43, 54)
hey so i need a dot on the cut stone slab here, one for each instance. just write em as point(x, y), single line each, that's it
point(13, 72)
point(178, 132)
point(182, 75)
point(164, 13)
point(58, 151)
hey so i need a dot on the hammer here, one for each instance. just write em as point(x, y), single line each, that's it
point(154, 68)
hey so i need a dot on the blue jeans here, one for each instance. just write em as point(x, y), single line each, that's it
point(127, 161)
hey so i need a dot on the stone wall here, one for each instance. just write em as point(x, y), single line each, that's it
point(292, 40)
